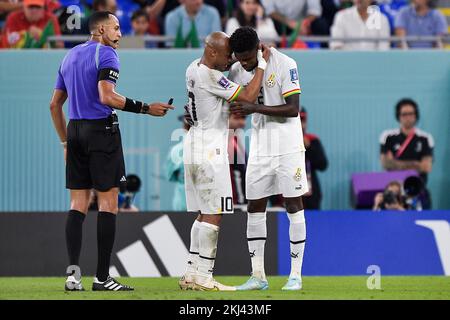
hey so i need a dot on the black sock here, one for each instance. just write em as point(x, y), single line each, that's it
point(106, 230)
point(74, 235)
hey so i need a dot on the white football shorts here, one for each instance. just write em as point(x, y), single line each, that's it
point(272, 175)
point(208, 185)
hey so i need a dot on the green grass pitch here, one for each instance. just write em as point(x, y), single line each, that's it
point(417, 287)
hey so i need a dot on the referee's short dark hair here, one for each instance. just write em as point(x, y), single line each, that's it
point(244, 39)
point(98, 17)
point(404, 102)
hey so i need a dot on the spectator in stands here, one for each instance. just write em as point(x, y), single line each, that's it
point(30, 27)
point(408, 147)
point(191, 22)
point(301, 15)
point(360, 21)
point(251, 13)
point(7, 6)
point(316, 160)
point(156, 11)
point(391, 199)
point(419, 19)
point(139, 23)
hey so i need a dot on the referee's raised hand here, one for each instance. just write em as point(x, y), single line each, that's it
point(159, 109)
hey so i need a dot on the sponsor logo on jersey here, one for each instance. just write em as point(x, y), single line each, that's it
point(224, 83)
point(270, 82)
point(294, 74)
point(298, 174)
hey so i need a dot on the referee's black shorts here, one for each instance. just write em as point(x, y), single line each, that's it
point(94, 155)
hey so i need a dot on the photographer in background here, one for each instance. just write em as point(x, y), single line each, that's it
point(391, 199)
point(408, 147)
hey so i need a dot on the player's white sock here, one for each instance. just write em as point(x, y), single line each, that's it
point(297, 237)
point(191, 268)
point(208, 236)
point(256, 237)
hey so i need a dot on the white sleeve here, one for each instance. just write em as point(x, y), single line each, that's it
point(290, 82)
point(216, 83)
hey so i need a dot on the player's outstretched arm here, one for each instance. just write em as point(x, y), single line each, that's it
point(288, 110)
point(110, 97)
point(251, 91)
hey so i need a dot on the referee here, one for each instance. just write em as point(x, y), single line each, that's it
point(92, 142)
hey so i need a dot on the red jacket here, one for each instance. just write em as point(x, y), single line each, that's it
point(16, 30)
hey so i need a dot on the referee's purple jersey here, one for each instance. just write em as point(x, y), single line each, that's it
point(78, 75)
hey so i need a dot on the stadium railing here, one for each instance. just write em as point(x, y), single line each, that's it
point(442, 40)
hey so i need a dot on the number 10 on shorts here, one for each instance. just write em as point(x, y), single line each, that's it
point(226, 204)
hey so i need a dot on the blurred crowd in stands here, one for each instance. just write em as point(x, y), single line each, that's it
point(29, 23)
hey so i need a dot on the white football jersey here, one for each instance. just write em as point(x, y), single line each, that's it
point(209, 94)
point(273, 136)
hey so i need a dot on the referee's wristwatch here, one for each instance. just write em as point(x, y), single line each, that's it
point(145, 108)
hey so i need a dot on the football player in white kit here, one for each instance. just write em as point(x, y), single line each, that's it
point(276, 162)
point(207, 174)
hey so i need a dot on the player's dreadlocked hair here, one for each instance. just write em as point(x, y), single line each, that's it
point(244, 39)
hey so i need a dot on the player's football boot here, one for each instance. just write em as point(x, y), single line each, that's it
point(293, 284)
point(211, 285)
point(110, 284)
point(73, 284)
point(186, 282)
point(254, 283)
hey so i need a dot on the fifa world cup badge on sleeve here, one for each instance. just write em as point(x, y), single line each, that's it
point(294, 74)
point(224, 83)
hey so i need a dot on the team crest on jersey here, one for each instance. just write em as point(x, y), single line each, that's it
point(224, 83)
point(294, 74)
point(298, 174)
point(270, 82)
